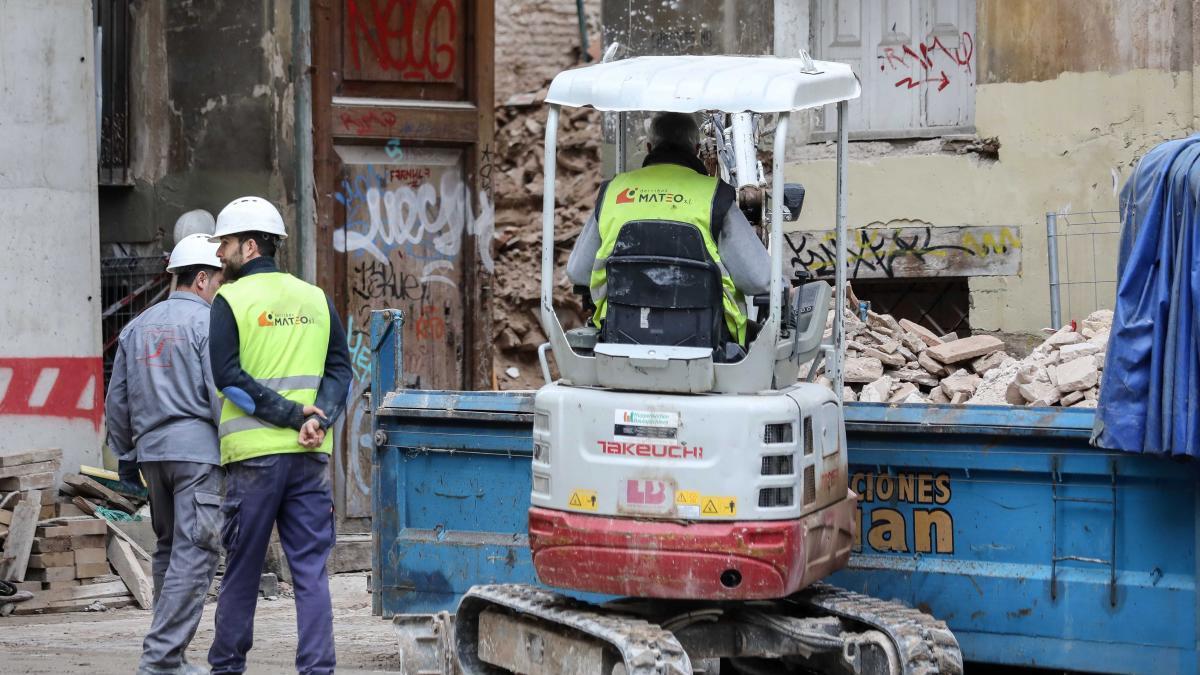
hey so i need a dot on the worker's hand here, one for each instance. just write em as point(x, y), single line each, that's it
point(310, 410)
point(311, 434)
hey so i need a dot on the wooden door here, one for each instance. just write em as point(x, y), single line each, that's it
point(403, 124)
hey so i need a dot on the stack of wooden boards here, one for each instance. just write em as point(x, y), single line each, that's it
point(54, 547)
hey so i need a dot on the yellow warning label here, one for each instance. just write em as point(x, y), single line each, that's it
point(687, 498)
point(584, 500)
point(718, 507)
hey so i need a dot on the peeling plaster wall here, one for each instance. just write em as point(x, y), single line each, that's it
point(49, 281)
point(1071, 119)
point(211, 115)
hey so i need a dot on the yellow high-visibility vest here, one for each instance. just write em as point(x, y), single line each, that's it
point(283, 339)
point(662, 192)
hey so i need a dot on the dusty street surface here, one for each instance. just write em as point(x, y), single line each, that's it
point(111, 642)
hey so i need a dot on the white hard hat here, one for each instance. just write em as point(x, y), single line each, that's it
point(195, 249)
point(198, 221)
point(249, 214)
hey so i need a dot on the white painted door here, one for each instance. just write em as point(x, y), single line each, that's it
point(915, 58)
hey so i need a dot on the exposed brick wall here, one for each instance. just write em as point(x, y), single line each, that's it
point(535, 39)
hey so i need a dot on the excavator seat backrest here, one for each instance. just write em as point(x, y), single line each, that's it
point(663, 288)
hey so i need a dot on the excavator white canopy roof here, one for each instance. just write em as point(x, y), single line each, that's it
point(692, 83)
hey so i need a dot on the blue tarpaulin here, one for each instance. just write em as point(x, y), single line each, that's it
point(1151, 385)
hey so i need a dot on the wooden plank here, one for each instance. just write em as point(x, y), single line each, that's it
point(107, 578)
point(87, 541)
point(89, 570)
point(88, 526)
point(137, 549)
point(44, 560)
point(59, 585)
point(34, 481)
point(53, 531)
point(88, 508)
point(87, 486)
point(51, 545)
point(69, 510)
point(75, 594)
point(84, 556)
point(65, 606)
point(51, 574)
point(908, 252)
point(31, 456)
point(26, 469)
point(126, 563)
point(19, 541)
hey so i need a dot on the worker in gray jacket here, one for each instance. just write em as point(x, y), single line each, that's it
point(162, 411)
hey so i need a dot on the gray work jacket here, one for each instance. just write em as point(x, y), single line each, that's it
point(161, 403)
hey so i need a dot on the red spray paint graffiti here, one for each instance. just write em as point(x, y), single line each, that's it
point(960, 56)
point(67, 388)
point(413, 37)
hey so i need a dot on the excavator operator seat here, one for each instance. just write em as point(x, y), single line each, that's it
point(663, 288)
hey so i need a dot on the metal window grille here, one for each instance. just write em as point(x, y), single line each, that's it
point(112, 90)
point(127, 287)
point(942, 305)
point(1081, 249)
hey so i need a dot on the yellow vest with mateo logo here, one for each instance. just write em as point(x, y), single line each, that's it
point(662, 192)
point(283, 339)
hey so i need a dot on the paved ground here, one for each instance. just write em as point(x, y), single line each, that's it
point(110, 642)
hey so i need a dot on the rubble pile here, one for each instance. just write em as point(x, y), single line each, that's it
point(517, 185)
point(890, 361)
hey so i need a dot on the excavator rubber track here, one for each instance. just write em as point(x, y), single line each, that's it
point(925, 645)
point(645, 648)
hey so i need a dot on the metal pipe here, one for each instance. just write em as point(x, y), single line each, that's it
point(306, 222)
point(744, 151)
point(778, 161)
point(839, 327)
point(583, 40)
point(620, 158)
point(548, 220)
point(1052, 253)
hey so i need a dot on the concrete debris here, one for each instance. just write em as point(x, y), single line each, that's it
point(922, 333)
point(966, 348)
point(1077, 375)
point(877, 391)
point(918, 366)
point(512, 372)
point(862, 370)
point(982, 365)
point(901, 392)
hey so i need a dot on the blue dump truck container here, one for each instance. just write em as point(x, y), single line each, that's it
point(1034, 547)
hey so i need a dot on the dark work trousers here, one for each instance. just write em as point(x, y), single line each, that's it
point(290, 491)
point(185, 510)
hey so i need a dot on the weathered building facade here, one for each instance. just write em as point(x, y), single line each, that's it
point(979, 117)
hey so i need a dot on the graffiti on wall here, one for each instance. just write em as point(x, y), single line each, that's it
point(63, 388)
point(921, 251)
point(933, 58)
point(410, 226)
point(404, 40)
point(425, 222)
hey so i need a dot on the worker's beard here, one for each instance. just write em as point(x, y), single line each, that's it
point(232, 267)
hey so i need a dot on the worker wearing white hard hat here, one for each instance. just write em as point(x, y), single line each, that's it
point(280, 360)
point(162, 410)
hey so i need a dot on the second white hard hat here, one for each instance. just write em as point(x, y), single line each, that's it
point(194, 249)
point(249, 214)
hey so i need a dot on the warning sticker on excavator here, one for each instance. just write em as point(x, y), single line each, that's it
point(687, 503)
point(713, 506)
point(584, 500)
